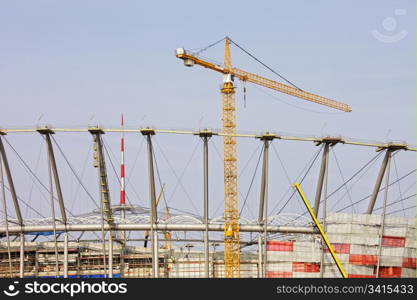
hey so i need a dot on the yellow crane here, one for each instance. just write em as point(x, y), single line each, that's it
point(231, 213)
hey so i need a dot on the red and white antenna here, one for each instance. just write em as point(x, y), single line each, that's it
point(122, 166)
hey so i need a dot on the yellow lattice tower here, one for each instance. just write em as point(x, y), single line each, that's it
point(231, 212)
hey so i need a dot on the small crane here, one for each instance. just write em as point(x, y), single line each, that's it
point(231, 213)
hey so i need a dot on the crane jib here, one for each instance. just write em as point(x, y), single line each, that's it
point(265, 82)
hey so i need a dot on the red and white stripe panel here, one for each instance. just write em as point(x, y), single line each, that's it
point(289, 259)
point(290, 251)
point(293, 270)
point(302, 259)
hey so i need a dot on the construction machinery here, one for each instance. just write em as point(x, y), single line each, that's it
point(231, 213)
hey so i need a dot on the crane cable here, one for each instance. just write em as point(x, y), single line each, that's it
point(395, 211)
point(251, 55)
point(73, 171)
point(283, 167)
point(239, 191)
point(207, 47)
point(399, 186)
point(302, 179)
point(33, 183)
point(33, 174)
point(343, 178)
point(251, 183)
point(240, 172)
point(179, 178)
point(298, 176)
point(397, 201)
point(367, 166)
point(353, 176)
point(81, 177)
point(161, 186)
point(132, 168)
point(263, 64)
point(24, 202)
point(381, 189)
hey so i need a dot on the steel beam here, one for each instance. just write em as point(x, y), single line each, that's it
point(189, 240)
point(51, 197)
point(384, 210)
point(16, 206)
point(101, 164)
point(66, 254)
point(377, 186)
point(160, 227)
point(47, 133)
point(205, 135)
point(6, 219)
point(36, 263)
point(206, 209)
point(110, 256)
point(22, 256)
point(323, 244)
point(262, 216)
point(323, 168)
point(260, 254)
point(105, 202)
point(10, 181)
point(148, 133)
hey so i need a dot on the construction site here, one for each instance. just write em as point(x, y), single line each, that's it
point(290, 227)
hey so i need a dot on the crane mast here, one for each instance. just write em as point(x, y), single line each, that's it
point(231, 210)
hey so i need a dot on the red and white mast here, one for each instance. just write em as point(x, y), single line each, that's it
point(122, 166)
point(122, 179)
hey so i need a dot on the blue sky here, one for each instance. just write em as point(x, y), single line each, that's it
point(74, 63)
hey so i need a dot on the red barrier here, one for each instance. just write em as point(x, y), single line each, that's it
point(390, 272)
point(305, 267)
point(393, 241)
point(409, 262)
point(339, 248)
point(360, 276)
point(358, 259)
point(271, 274)
point(286, 246)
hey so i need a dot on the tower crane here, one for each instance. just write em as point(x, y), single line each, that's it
point(231, 213)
